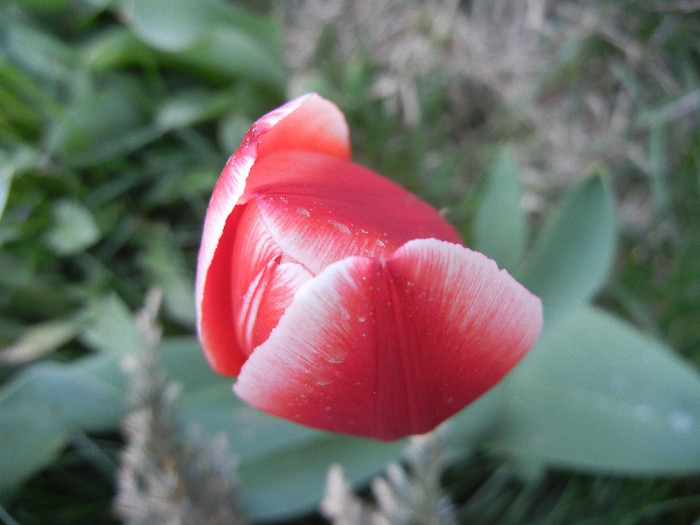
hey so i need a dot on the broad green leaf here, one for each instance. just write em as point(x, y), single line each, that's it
point(73, 228)
point(116, 48)
point(659, 168)
point(111, 327)
point(233, 52)
point(191, 108)
point(291, 479)
point(101, 124)
point(176, 25)
point(468, 428)
point(31, 439)
point(599, 395)
point(44, 5)
point(5, 181)
point(282, 466)
point(211, 34)
point(19, 160)
point(41, 407)
point(500, 227)
point(573, 255)
point(171, 25)
point(107, 369)
point(39, 340)
point(165, 263)
point(40, 54)
point(19, 119)
point(15, 274)
point(28, 89)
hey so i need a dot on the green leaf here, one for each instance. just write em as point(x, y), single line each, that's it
point(5, 182)
point(116, 48)
point(573, 255)
point(213, 35)
point(40, 54)
point(468, 428)
point(233, 52)
point(291, 479)
point(73, 228)
point(39, 340)
point(31, 439)
point(41, 407)
point(659, 169)
point(599, 395)
point(500, 228)
point(44, 5)
point(46, 403)
point(166, 265)
point(102, 124)
point(26, 88)
point(171, 25)
point(18, 117)
point(191, 108)
point(282, 466)
point(111, 327)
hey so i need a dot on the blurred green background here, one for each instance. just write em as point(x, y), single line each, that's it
point(116, 118)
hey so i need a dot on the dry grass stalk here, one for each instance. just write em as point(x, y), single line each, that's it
point(407, 495)
point(163, 480)
point(545, 73)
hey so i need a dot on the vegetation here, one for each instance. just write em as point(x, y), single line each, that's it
point(116, 117)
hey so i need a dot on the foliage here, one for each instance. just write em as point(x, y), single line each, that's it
point(561, 137)
point(405, 495)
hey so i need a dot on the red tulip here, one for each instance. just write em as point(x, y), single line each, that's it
point(340, 300)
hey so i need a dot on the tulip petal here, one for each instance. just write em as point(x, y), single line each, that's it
point(387, 349)
point(214, 306)
point(476, 320)
point(261, 288)
point(321, 209)
point(266, 299)
point(308, 123)
point(262, 284)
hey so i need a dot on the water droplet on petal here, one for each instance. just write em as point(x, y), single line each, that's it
point(339, 226)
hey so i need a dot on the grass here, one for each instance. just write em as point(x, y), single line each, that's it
point(112, 138)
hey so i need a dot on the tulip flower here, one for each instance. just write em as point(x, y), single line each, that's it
point(338, 299)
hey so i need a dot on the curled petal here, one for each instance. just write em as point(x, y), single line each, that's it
point(214, 306)
point(387, 349)
point(265, 300)
point(261, 288)
point(287, 280)
point(308, 123)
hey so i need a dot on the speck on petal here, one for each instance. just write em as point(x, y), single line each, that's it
point(441, 326)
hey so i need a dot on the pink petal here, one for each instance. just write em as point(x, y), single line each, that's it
point(321, 209)
point(215, 309)
point(250, 289)
point(262, 286)
point(390, 349)
point(308, 123)
point(474, 321)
